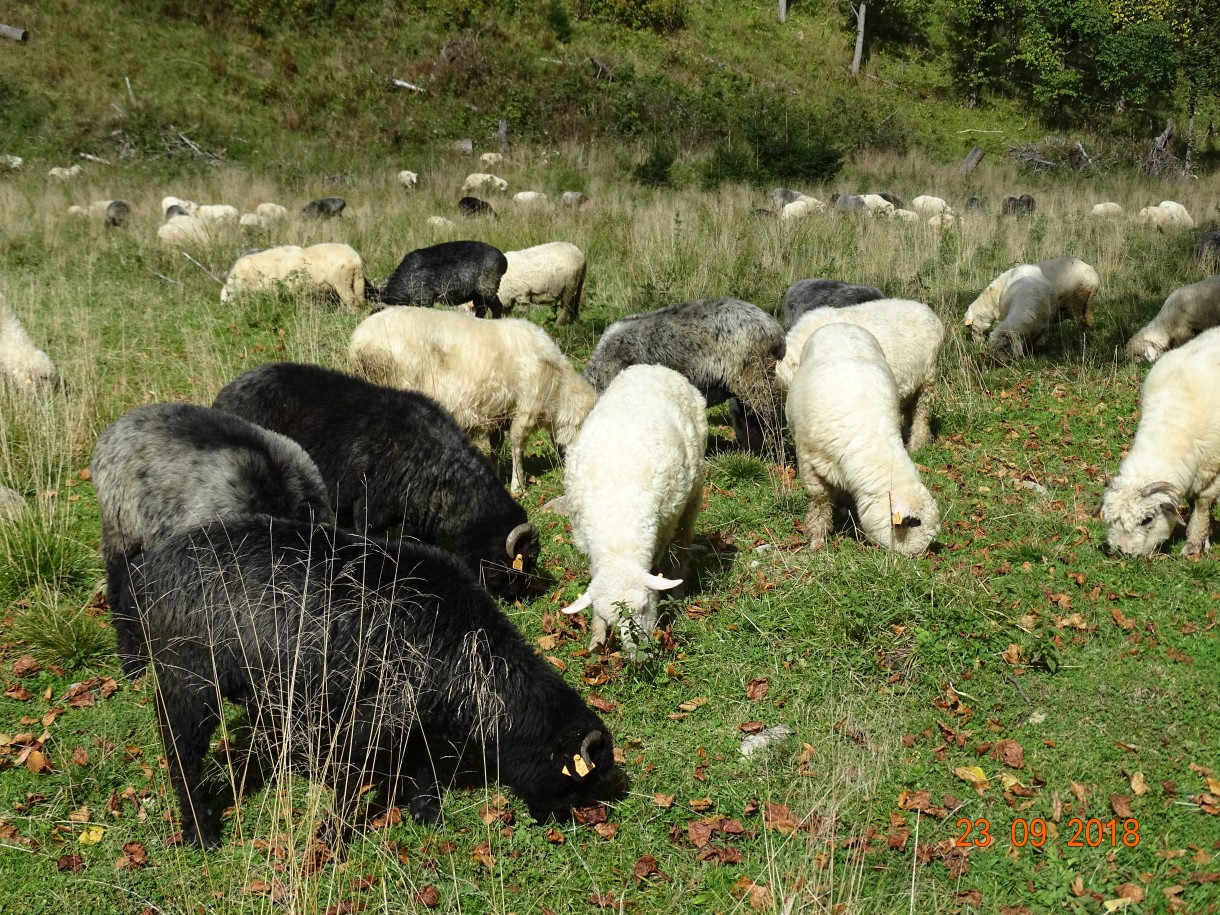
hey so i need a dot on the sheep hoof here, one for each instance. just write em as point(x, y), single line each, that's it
point(1194, 550)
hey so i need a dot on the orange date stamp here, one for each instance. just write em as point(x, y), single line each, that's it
point(1082, 833)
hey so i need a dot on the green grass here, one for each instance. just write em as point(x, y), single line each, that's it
point(890, 673)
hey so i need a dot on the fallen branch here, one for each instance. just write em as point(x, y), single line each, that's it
point(403, 84)
point(16, 34)
point(203, 268)
point(89, 158)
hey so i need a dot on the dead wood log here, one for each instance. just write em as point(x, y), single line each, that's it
point(972, 159)
point(13, 33)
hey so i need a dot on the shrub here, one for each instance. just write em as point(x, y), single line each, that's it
point(656, 170)
point(656, 15)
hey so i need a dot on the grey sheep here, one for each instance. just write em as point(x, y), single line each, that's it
point(726, 348)
point(324, 208)
point(161, 467)
point(394, 458)
point(363, 663)
point(805, 295)
point(1187, 312)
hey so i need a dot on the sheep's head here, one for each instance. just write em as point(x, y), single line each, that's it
point(1140, 347)
point(626, 603)
point(1139, 518)
point(983, 313)
point(913, 528)
point(579, 770)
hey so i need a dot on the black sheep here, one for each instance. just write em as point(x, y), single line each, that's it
point(160, 467)
point(805, 295)
point(1018, 206)
point(473, 206)
point(1207, 251)
point(324, 208)
point(726, 348)
point(450, 273)
point(391, 457)
point(363, 662)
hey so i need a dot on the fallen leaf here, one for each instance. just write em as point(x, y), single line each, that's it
point(1132, 891)
point(481, 854)
point(91, 835)
point(72, 864)
point(25, 666)
point(1121, 805)
point(428, 897)
point(700, 804)
point(664, 801)
point(757, 688)
point(1009, 752)
point(975, 776)
point(555, 837)
point(606, 830)
point(969, 897)
point(646, 869)
point(1138, 785)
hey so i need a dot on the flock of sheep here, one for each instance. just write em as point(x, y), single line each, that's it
point(244, 543)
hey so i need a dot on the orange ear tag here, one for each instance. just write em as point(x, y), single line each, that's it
point(518, 563)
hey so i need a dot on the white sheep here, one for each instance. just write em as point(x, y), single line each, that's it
point(440, 222)
point(529, 198)
point(906, 215)
point(78, 212)
point(253, 220)
point(491, 375)
point(877, 205)
point(218, 213)
point(271, 212)
point(20, 360)
point(930, 206)
point(633, 484)
point(549, 274)
point(480, 181)
point(909, 333)
point(332, 269)
point(1175, 457)
point(184, 231)
point(407, 179)
point(1187, 311)
point(1107, 210)
point(799, 209)
point(942, 221)
point(65, 174)
point(574, 199)
point(1027, 298)
point(491, 159)
point(1167, 213)
point(843, 413)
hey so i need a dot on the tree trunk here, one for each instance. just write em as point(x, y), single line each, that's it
point(855, 61)
point(1191, 104)
point(781, 11)
point(972, 160)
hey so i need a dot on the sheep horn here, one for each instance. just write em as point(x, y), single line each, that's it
point(579, 604)
point(515, 535)
point(592, 741)
point(1153, 489)
point(661, 583)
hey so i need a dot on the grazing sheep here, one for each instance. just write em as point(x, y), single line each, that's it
point(549, 274)
point(473, 206)
point(393, 458)
point(324, 208)
point(1074, 284)
point(909, 333)
point(805, 295)
point(782, 196)
point(930, 206)
point(271, 212)
point(573, 199)
point(633, 484)
point(892, 199)
point(1206, 252)
point(529, 198)
point(491, 375)
point(12, 504)
point(1018, 206)
point(1175, 457)
point(491, 158)
point(942, 221)
point(726, 348)
point(331, 269)
point(975, 205)
point(1069, 289)
point(877, 205)
point(114, 214)
point(21, 361)
point(440, 222)
point(186, 206)
point(799, 209)
point(480, 181)
point(65, 174)
point(253, 220)
point(1167, 213)
point(162, 467)
point(1187, 312)
point(1107, 210)
point(449, 273)
point(850, 203)
point(407, 179)
point(363, 662)
point(907, 215)
point(218, 213)
point(182, 230)
point(844, 416)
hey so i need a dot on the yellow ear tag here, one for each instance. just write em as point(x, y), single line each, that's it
point(565, 771)
point(897, 518)
point(581, 768)
point(518, 563)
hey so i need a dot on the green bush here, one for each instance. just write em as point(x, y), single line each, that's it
point(657, 169)
point(655, 15)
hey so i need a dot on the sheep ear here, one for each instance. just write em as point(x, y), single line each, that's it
point(1150, 353)
point(660, 583)
point(581, 603)
point(1172, 510)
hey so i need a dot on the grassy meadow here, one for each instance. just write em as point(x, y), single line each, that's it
point(1016, 678)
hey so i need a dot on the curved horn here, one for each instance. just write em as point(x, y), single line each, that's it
point(521, 530)
point(581, 603)
point(1153, 489)
point(592, 741)
point(659, 583)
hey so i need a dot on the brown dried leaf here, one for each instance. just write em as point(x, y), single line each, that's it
point(664, 801)
point(646, 869)
point(428, 897)
point(1009, 753)
point(481, 854)
point(25, 666)
point(606, 830)
point(1121, 805)
point(72, 864)
point(758, 688)
point(1138, 785)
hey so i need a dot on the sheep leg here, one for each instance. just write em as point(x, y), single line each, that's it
point(423, 792)
point(920, 432)
point(124, 618)
point(483, 302)
point(820, 515)
point(684, 535)
point(1199, 528)
point(186, 723)
point(523, 424)
point(1087, 314)
point(601, 632)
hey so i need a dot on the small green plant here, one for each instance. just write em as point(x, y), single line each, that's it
point(37, 552)
point(55, 630)
point(559, 21)
point(655, 15)
point(657, 169)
